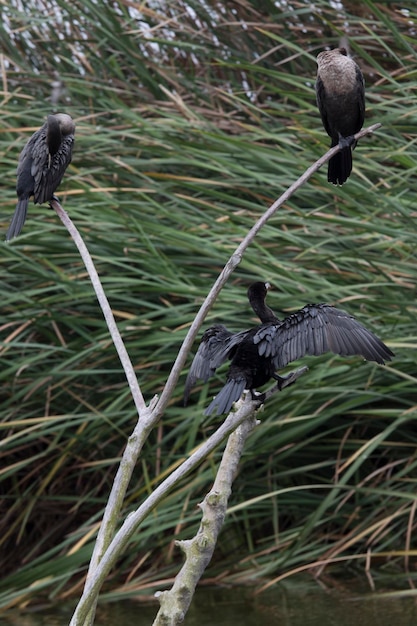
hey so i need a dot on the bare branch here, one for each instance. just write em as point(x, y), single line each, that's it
point(199, 550)
point(144, 424)
point(130, 525)
point(104, 304)
point(231, 265)
point(105, 553)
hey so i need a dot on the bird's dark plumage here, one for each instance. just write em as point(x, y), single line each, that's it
point(340, 92)
point(42, 164)
point(256, 354)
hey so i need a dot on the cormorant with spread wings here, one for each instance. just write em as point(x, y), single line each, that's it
point(257, 353)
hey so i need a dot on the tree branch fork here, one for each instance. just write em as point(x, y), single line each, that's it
point(237, 426)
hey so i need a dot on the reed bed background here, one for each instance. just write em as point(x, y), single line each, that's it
point(191, 119)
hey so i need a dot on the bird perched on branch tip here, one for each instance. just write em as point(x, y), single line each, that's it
point(340, 92)
point(42, 164)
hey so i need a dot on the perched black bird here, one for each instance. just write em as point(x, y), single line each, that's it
point(340, 91)
point(42, 164)
point(257, 353)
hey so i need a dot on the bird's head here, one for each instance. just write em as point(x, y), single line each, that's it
point(66, 123)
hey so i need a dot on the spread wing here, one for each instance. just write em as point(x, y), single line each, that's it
point(315, 329)
point(215, 347)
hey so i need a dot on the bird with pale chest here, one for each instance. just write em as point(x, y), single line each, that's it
point(257, 353)
point(41, 167)
point(340, 92)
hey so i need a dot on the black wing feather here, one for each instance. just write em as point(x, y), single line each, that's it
point(361, 97)
point(316, 329)
point(321, 103)
point(212, 352)
point(48, 179)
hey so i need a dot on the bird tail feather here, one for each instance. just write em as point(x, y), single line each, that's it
point(230, 393)
point(340, 167)
point(18, 219)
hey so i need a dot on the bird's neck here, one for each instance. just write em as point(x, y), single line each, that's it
point(264, 313)
point(53, 135)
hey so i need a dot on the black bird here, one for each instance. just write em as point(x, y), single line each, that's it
point(340, 91)
point(257, 353)
point(42, 164)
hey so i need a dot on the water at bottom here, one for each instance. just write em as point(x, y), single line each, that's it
point(299, 603)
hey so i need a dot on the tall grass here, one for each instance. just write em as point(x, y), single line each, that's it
point(190, 122)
